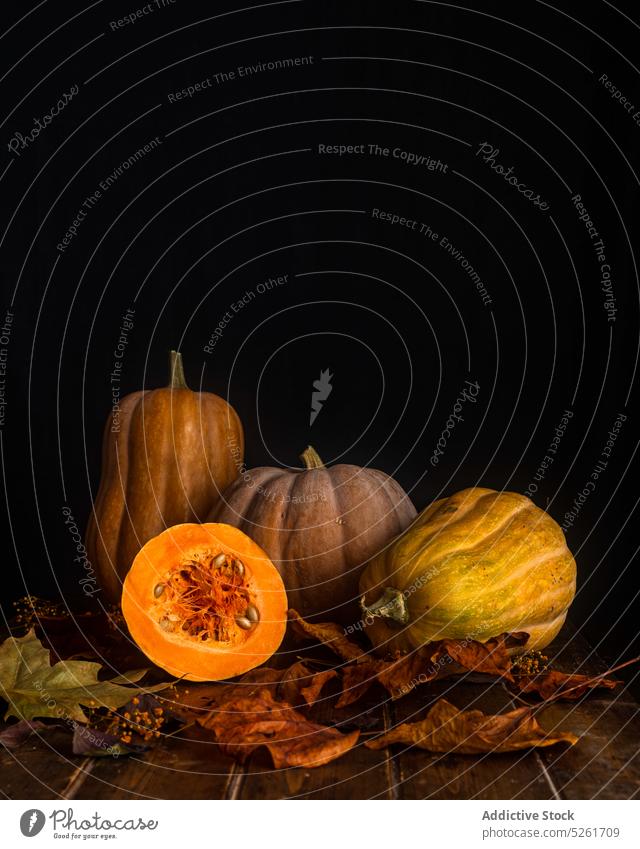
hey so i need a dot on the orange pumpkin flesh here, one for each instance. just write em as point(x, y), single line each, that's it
point(204, 602)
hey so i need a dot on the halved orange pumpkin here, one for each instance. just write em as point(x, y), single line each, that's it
point(204, 602)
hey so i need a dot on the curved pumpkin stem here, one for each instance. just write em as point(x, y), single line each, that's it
point(391, 605)
point(311, 458)
point(176, 371)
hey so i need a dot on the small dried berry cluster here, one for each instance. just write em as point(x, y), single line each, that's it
point(530, 663)
point(140, 720)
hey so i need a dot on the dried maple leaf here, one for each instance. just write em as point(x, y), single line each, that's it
point(471, 732)
point(552, 684)
point(241, 724)
point(32, 687)
point(328, 634)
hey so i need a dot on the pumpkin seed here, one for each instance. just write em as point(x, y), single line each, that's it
point(239, 566)
point(220, 560)
point(166, 625)
point(252, 613)
point(158, 590)
point(244, 623)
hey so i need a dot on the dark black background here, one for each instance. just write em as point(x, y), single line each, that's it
point(237, 193)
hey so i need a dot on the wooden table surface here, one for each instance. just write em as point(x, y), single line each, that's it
point(604, 764)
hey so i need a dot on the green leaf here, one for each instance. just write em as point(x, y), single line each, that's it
point(32, 687)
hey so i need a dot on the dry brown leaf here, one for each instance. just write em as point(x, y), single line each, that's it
point(241, 724)
point(356, 680)
point(491, 657)
point(552, 684)
point(435, 660)
point(402, 674)
point(328, 634)
point(471, 732)
point(299, 684)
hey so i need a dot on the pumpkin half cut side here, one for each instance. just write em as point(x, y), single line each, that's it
point(204, 602)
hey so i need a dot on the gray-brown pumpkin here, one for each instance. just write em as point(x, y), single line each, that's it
point(319, 525)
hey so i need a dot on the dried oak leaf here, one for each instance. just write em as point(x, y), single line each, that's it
point(32, 687)
point(471, 732)
point(562, 685)
point(242, 723)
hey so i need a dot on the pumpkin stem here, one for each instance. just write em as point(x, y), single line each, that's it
point(391, 605)
point(176, 371)
point(311, 458)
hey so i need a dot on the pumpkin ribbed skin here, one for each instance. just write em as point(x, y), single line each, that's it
point(174, 453)
point(319, 526)
point(472, 566)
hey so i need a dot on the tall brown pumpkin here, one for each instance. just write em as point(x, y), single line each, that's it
point(319, 526)
point(166, 462)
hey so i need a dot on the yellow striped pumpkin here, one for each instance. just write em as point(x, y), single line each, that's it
point(470, 566)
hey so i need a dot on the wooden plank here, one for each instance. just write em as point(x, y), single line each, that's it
point(605, 763)
point(185, 766)
point(40, 769)
point(449, 776)
point(560, 772)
